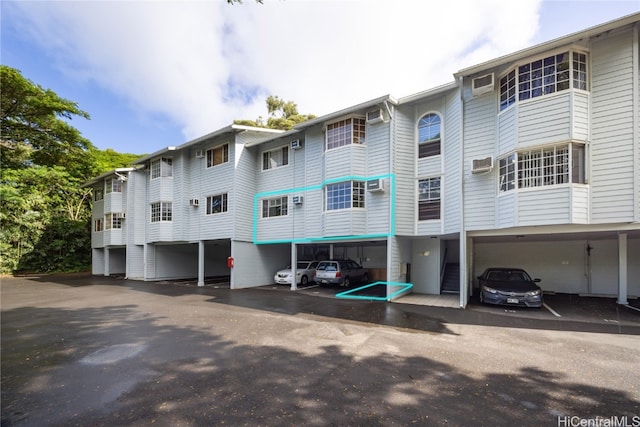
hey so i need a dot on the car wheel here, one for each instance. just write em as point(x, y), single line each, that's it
point(304, 281)
point(346, 282)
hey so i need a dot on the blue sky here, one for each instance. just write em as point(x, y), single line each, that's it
point(157, 73)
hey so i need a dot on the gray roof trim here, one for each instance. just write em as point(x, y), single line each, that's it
point(427, 93)
point(231, 129)
point(552, 44)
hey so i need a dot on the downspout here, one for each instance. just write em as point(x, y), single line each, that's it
point(463, 235)
point(390, 238)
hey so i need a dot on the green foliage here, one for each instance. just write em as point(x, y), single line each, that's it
point(282, 115)
point(44, 211)
point(109, 159)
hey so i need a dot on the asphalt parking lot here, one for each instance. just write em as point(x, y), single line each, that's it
point(83, 350)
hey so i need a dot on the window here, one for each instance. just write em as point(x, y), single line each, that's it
point(508, 173)
point(97, 225)
point(113, 185)
point(554, 73)
point(161, 211)
point(275, 158)
point(541, 167)
point(98, 194)
point(345, 195)
point(113, 221)
point(217, 156)
point(275, 207)
point(217, 204)
point(162, 167)
point(345, 132)
point(429, 199)
point(429, 136)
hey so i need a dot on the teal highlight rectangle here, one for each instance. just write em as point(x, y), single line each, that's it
point(347, 294)
point(392, 218)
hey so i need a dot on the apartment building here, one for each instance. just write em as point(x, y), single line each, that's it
point(528, 160)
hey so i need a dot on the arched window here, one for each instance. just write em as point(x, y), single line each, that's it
point(429, 135)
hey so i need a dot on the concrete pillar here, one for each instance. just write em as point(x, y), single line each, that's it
point(294, 265)
point(201, 263)
point(106, 261)
point(622, 268)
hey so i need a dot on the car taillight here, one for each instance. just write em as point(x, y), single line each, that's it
point(338, 274)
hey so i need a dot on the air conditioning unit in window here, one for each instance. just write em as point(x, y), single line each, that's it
point(481, 85)
point(482, 165)
point(375, 116)
point(121, 215)
point(194, 202)
point(375, 185)
point(199, 154)
point(297, 200)
point(296, 144)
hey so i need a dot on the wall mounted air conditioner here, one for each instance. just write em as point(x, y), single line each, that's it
point(296, 144)
point(482, 84)
point(375, 116)
point(194, 202)
point(199, 154)
point(482, 165)
point(121, 215)
point(375, 185)
point(297, 200)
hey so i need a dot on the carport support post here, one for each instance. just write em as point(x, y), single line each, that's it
point(200, 262)
point(106, 261)
point(622, 269)
point(294, 264)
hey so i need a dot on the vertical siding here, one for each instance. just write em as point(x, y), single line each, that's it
point(452, 182)
point(404, 169)
point(480, 135)
point(612, 161)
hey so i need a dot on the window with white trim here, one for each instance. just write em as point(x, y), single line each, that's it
point(113, 185)
point(218, 155)
point(429, 135)
point(162, 167)
point(113, 221)
point(429, 199)
point(345, 132)
point(345, 195)
point(551, 74)
point(541, 167)
point(276, 206)
point(97, 225)
point(275, 158)
point(217, 204)
point(161, 211)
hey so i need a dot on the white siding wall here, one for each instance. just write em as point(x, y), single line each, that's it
point(97, 261)
point(544, 206)
point(480, 141)
point(612, 155)
point(506, 215)
point(452, 182)
point(404, 167)
point(97, 212)
point(425, 269)
point(135, 261)
point(544, 120)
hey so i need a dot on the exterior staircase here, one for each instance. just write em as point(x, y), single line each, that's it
point(451, 279)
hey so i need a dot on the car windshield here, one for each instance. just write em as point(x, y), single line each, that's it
point(328, 266)
point(508, 276)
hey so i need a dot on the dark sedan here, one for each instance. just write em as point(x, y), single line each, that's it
point(509, 286)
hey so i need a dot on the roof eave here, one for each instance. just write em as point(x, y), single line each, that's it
point(552, 44)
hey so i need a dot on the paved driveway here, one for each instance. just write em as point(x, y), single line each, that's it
point(81, 350)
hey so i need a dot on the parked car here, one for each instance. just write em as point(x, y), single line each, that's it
point(305, 270)
point(509, 286)
point(340, 272)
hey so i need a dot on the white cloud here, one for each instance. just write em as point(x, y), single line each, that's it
point(203, 64)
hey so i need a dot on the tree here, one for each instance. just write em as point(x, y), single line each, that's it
point(109, 159)
point(44, 211)
point(33, 128)
point(282, 115)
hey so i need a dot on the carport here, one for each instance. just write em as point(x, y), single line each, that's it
point(583, 262)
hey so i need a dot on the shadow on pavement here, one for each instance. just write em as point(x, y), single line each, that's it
point(114, 365)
